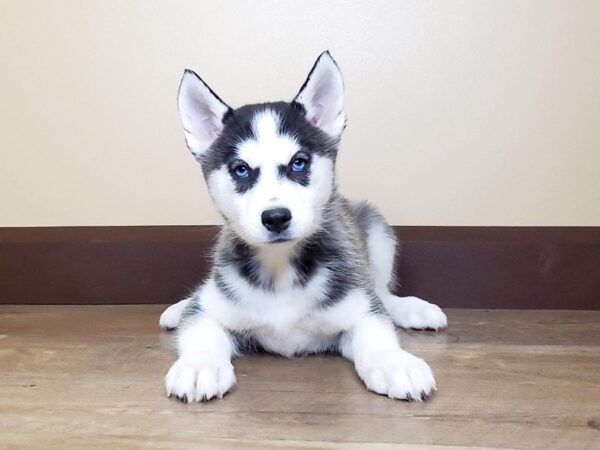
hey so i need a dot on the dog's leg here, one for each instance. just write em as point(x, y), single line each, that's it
point(203, 370)
point(171, 317)
point(406, 312)
point(380, 362)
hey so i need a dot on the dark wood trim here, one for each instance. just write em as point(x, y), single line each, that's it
point(475, 267)
point(502, 267)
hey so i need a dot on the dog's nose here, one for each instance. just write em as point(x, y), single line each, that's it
point(276, 219)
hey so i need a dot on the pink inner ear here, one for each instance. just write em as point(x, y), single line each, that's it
point(317, 112)
point(211, 125)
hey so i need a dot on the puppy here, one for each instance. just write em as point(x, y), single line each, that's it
point(298, 268)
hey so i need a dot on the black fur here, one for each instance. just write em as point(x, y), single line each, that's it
point(320, 251)
point(324, 249)
point(238, 128)
point(303, 177)
point(246, 344)
point(243, 184)
point(243, 257)
point(367, 216)
point(193, 308)
point(376, 306)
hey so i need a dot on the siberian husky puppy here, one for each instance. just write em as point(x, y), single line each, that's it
point(298, 269)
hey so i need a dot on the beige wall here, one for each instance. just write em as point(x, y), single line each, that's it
point(460, 112)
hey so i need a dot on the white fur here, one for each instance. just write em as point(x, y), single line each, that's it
point(268, 151)
point(289, 319)
point(413, 312)
point(323, 97)
point(269, 146)
point(383, 365)
point(284, 321)
point(171, 316)
point(203, 370)
point(201, 113)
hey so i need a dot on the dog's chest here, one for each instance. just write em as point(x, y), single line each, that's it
point(284, 321)
point(287, 319)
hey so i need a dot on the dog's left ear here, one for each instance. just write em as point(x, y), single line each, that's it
point(322, 96)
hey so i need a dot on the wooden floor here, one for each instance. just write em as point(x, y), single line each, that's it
point(81, 377)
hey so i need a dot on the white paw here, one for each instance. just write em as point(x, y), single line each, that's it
point(412, 312)
point(398, 375)
point(171, 317)
point(199, 379)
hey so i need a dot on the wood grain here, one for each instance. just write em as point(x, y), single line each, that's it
point(91, 377)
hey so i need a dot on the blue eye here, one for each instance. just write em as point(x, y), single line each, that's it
point(241, 171)
point(299, 164)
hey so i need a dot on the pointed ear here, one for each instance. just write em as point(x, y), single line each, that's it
point(201, 111)
point(322, 96)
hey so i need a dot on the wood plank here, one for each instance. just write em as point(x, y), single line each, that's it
point(92, 377)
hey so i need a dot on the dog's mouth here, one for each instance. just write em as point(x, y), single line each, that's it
point(282, 237)
point(279, 240)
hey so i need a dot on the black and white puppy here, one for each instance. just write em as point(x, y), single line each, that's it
point(298, 269)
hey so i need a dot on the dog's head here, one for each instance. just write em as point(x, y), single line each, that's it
point(269, 167)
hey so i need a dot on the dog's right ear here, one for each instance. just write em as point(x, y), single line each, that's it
point(202, 113)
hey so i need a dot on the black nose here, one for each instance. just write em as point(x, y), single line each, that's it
point(276, 219)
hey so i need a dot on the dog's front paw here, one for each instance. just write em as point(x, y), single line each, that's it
point(398, 375)
point(199, 379)
point(412, 312)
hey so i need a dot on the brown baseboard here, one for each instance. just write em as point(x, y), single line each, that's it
point(471, 267)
